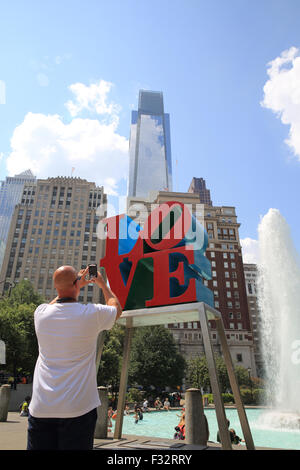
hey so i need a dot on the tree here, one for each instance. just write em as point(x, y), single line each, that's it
point(111, 358)
point(17, 327)
point(198, 375)
point(155, 360)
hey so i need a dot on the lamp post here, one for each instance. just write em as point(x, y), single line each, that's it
point(11, 285)
point(249, 373)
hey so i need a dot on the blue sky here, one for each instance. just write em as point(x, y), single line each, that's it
point(72, 71)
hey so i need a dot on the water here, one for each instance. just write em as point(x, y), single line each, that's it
point(161, 424)
point(279, 301)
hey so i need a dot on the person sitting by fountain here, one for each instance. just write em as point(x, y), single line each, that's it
point(157, 404)
point(230, 432)
point(235, 439)
point(180, 429)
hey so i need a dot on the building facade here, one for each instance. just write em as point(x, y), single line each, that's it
point(227, 283)
point(54, 224)
point(250, 271)
point(150, 166)
point(198, 186)
point(11, 191)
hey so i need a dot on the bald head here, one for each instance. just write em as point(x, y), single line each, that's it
point(64, 278)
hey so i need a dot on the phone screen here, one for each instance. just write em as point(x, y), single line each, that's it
point(92, 270)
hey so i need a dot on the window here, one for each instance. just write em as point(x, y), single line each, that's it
point(228, 293)
point(231, 326)
point(212, 254)
point(239, 358)
point(233, 265)
point(225, 264)
point(225, 255)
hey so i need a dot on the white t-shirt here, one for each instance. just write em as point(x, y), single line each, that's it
point(64, 382)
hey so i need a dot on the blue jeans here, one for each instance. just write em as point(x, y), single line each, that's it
point(62, 433)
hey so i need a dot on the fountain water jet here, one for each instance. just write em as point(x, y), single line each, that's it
point(279, 303)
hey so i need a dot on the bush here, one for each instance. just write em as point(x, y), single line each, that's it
point(259, 395)
point(134, 395)
point(227, 398)
point(209, 397)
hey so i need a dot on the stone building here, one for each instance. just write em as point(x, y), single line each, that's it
point(55, 224)
point(250, 271)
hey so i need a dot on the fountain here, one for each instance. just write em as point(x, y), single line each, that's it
point(279, 303)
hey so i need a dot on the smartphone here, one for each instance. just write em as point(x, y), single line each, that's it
point(93, 270)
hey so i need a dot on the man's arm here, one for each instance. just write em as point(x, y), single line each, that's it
point(109, 297)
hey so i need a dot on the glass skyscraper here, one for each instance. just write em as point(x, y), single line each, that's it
point(150, 165)
point(11, 191)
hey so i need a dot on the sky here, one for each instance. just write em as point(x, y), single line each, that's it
point(229, 70)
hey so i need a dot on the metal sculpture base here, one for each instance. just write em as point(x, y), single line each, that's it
point(198, 311)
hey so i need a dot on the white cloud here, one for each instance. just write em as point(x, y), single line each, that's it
point(92, 98)
point(50, 147)
point(282, 94)
point(250, 250)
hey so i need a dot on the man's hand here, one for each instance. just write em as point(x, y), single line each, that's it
point(109, 296)
point(98, 280)
point(83, 281)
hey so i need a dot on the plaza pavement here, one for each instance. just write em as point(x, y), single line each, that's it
point(13, 436)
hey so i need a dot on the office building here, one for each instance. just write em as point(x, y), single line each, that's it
point(55, 224)
point(11, 191)
point(227, 283)
point(150, 166)
point(251, 274)
point(198, 186)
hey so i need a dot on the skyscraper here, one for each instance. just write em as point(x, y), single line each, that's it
point(198, 186)
point(11, 191)
point(150, 166)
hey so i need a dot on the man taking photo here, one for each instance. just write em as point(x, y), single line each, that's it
point(63, 408)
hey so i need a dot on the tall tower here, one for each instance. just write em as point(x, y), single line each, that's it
point(150, 166)
point(198, 186)
point(11, 191)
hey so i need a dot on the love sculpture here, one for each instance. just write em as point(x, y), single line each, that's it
point(157, 273)
point(161, 264)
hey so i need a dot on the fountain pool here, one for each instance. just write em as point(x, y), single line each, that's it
point(161, 424)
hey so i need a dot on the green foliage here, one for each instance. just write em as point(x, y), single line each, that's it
point(17, 328)
point(111, 358)
point(227, 398)
point(155, 359)
point(198, 375)
point(134, 395)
